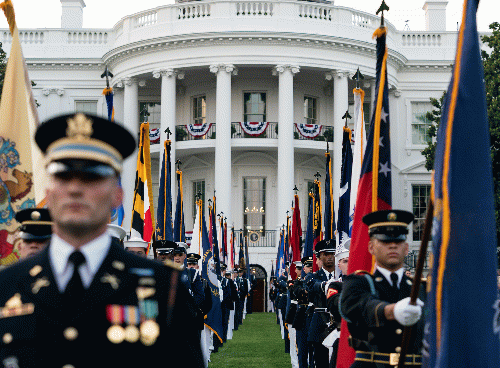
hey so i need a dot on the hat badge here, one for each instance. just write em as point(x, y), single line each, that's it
point(392, 216)
point(79, 127)
point(35, 215)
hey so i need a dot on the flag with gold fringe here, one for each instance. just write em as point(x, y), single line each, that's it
point(143, 209)
point(21, 187)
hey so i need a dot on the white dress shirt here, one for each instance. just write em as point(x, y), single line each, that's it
point(94, 253)
point(387, 274)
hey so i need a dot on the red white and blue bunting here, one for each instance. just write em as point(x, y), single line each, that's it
point(309, 130)
point(154, 136)
point(254, 128)
point(198, 130)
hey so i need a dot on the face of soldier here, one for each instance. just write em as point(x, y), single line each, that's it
point(163, 257)
point(137, 250)
point(179, 258)
point(307, 269)
point(388, 255)
point(80, 206)
point(191, 265)
point(343, 263)
point(27, 248)
point(328, 260)
point(298, 272)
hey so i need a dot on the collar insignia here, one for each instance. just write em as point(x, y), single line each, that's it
point(35, 270)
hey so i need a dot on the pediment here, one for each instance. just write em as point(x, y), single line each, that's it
point(195, 162)
point(418, 168)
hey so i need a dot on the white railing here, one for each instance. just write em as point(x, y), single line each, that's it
point(25, 37)
point(252, 8)
point(364, 20)
point(87, 37)
point(146, 19)
point(193, 11)
point(421, 40)
point(314, 11)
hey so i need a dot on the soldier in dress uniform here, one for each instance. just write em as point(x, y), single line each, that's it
point(136, 246)
point(118, 232)
point(376, 307)
point(83, 301)
point(164, 250)
point(35, 231)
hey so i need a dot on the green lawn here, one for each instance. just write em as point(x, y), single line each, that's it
point(257, 343)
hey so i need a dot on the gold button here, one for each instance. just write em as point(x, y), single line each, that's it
point(399, 331)
point(7, 338)
point(70, 333)
point(68, 366)
point(398, 349)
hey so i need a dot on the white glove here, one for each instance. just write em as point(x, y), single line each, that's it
point(407, 314)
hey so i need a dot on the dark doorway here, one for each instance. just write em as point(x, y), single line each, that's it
point(259, 295)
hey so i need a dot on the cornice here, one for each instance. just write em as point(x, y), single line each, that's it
point(37, 64)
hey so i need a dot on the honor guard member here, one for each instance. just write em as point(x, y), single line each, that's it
point(301, 320)
point(83, 301)
point(118, 232)
point(164, 251)
point(136, 246)
point(35, 231)
point(376, 307)
point(189, 275)
point(226, 301)
point(192, 260)
point(318, 329)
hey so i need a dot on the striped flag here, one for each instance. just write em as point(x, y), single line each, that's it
point(329, 204)
point(179, 226)
point(374, 190)
point(143, 209)
point(345, 187)
point(164, 208)
point(463, 324)
point(21, 187)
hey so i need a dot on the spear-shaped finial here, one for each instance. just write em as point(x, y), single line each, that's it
point(346, 116)
point(107, 74)
point(168, 132)
point(295, 189)
point(383, 7)
point(209, 201)
point(178, 163)
point(287, 212)
point(317, 175)
point(357, 77)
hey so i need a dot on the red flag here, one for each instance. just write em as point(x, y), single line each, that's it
point(317, 226)
point(374, 191)
point(296, 238)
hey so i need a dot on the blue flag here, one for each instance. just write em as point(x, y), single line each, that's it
point(241, 254)
point(164, 214)
point(345, 187)
point(309, 239)
point(329, 204)
point(179, 227)
point(209, 272)
point(463, 324)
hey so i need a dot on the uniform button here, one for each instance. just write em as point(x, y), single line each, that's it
point(398, 349)
point(68, 366)
point(70, 333)
point(399, 331)
point(7, 338)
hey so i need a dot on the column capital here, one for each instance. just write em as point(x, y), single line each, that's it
point(169, 73)
point(228, 68)
point(55, 90)
point(128, 81)
point(395, 91)
point(337, 74)
point(279, 69)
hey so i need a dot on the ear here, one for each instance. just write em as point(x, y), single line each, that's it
point(406, 248)
point(117, 199)
point(370, 247)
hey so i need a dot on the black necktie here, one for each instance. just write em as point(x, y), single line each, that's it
point(394, 279)
point(74, 290)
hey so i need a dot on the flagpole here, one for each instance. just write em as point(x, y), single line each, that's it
point(422, 255)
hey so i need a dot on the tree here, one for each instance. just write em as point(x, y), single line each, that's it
point(491, 64)
point(3, 66)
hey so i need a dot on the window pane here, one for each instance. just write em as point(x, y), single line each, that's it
point(420, 194)
point(310, 110)
point(254, 106)
point(199, 109)
point(420, 124)
point(89, 107)
point(254, 204)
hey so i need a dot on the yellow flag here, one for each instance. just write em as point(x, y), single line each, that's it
point(18, 153)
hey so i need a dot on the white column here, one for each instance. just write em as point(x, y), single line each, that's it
point(131, 122)
point(168, 117)
point(223, 169)
point(340, 106)
point(286, 165)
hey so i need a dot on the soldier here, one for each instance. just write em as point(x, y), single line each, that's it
point(136, 246)
point(118, 232)
point(376, 307)
point(35, 231)
point(164, 250)
point(301, 319)
point(83, 293)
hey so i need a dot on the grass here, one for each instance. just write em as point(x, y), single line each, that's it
point(256, 344)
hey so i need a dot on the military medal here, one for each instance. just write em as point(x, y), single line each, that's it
point(116, 333)
point(149, 328)
point(132, 318)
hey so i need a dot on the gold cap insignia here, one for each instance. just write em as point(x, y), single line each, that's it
point(392, 216)
point(79, 127)
point(35, 215)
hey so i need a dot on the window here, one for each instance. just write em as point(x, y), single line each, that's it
point(199, 109)
point(198, 187)
point(150, 112)
point(419, 123)
point(89, 107)
point(254, 204)
point(420, 195)
point(310, 110)
point(254, 106)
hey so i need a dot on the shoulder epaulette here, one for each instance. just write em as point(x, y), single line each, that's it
point(172, 264)
point(361, 272)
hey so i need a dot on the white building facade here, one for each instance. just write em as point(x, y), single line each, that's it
point(224, 62)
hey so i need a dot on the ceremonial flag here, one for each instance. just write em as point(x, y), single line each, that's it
point(463, 323)
point(143, 209)
point(211, 272)
point(296, 239)
point(317, 233)
point(179, 226)
point(196, 246)
point(280, 260)
point(308, 243)
point(247, 258)
point(241, 255)
point(345, 187)
point(358, 150)
point(329, 205)
point(21, 187)
point(374, 190)
point(164, 214)
point(231, 256)
point(224, 243)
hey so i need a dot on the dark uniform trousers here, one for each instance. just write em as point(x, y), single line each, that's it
point(364, 312)
point(317, 325)
point(38, 331)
